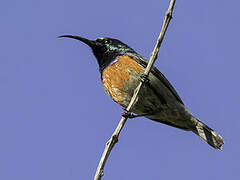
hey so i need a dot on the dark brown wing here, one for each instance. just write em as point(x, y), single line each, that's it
point(157, 73)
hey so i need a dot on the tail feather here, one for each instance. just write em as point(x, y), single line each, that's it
point(207, 134)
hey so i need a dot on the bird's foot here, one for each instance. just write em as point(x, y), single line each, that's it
point(144, 78)
point(128, 114)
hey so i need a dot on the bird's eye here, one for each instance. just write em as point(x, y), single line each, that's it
point(107, 41)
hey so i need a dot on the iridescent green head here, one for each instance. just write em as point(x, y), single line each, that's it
point(105, 49)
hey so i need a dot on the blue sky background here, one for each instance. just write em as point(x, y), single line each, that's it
point(55, 117)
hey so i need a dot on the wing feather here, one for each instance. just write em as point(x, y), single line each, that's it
point(157, 73)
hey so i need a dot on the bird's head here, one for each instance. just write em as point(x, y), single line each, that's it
point(105, 49)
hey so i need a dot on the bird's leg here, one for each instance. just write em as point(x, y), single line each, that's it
point(144, 78)
point(140, 115)
point(130, 115)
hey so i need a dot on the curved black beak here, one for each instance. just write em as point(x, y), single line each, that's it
point(90, 43)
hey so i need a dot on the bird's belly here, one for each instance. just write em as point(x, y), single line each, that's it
point(121, 79)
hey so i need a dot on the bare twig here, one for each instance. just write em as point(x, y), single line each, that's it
point(114, 138)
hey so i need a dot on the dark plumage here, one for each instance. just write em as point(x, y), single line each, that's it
point(121, 67)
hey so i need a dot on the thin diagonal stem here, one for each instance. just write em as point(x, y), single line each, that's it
point(114, 138)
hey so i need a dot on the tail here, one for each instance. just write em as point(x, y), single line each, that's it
point(207, 134)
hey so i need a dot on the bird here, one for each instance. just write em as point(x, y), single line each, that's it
point(121, 68)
